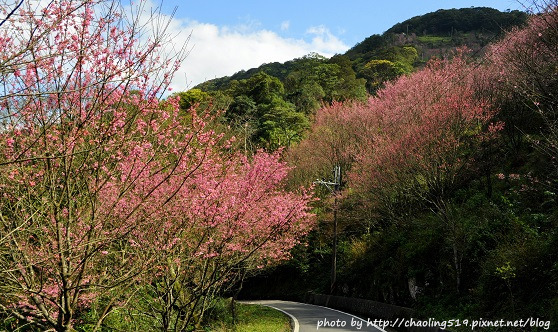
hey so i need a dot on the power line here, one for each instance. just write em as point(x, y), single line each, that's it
point(11, 13)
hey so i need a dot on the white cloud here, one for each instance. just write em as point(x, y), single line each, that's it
point(285, 25)
point(324, 39)
point(223, 51)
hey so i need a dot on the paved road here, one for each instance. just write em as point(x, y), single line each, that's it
point(307, 317)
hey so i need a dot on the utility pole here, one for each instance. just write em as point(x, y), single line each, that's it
point(334, 187)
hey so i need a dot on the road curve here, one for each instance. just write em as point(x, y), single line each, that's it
point(308, 317)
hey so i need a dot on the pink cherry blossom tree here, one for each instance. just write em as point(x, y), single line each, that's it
point(104, 189)
point(428, 129)
point(423, 130)
point(412, 144)
point(524, 63)
point(81, 83)
point(231, 218)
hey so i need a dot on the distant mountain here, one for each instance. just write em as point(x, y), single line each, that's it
point(437, 33)
point(432, 34)
point(276, 69)
point(445, 22)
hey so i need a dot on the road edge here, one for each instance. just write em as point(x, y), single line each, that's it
point(296, 325)
point(346, 313)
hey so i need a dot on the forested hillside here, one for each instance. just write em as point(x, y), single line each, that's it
point(123, 208)
point(430, 34)
point(273, 105)
point(449, 173)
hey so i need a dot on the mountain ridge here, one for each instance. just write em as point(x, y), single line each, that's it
point(432, 34)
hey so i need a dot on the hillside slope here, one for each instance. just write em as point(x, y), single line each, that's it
point(432, 34)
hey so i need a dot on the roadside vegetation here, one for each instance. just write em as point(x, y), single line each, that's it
point(450, 181)
point(124, 210)
point(248, 318)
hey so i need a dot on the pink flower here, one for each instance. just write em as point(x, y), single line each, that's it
point(10, 142)
point(514, 176)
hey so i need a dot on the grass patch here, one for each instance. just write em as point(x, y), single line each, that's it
point(218, 318)
point(252, 318)
point(434, 41)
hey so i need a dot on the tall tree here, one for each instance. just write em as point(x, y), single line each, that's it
point(81, 96)
point(104, 189)
point(526, 80)
point(262, 114)
point(410, 145)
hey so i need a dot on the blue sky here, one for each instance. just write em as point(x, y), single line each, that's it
point(228, 36)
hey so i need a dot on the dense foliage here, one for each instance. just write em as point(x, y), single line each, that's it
point(271, 107)
point(449, 21)
point(116, 206)
point(450, 185)
point(119, 210)
point(289, 94)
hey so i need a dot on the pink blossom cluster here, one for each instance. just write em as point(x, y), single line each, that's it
point(104, 187)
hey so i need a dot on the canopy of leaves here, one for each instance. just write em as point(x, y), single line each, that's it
point(448, 21)
point(450, 200)
point(112, 200)
point(313, 80)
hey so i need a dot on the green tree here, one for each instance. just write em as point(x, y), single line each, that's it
point(377, 72)
point(241, 114)
point(306, 94)
point(347, 86)
point(192, 97)
point(262, 116)
point(316, 81)
point(388, 65)
point(281, 124)
point(261, 88)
